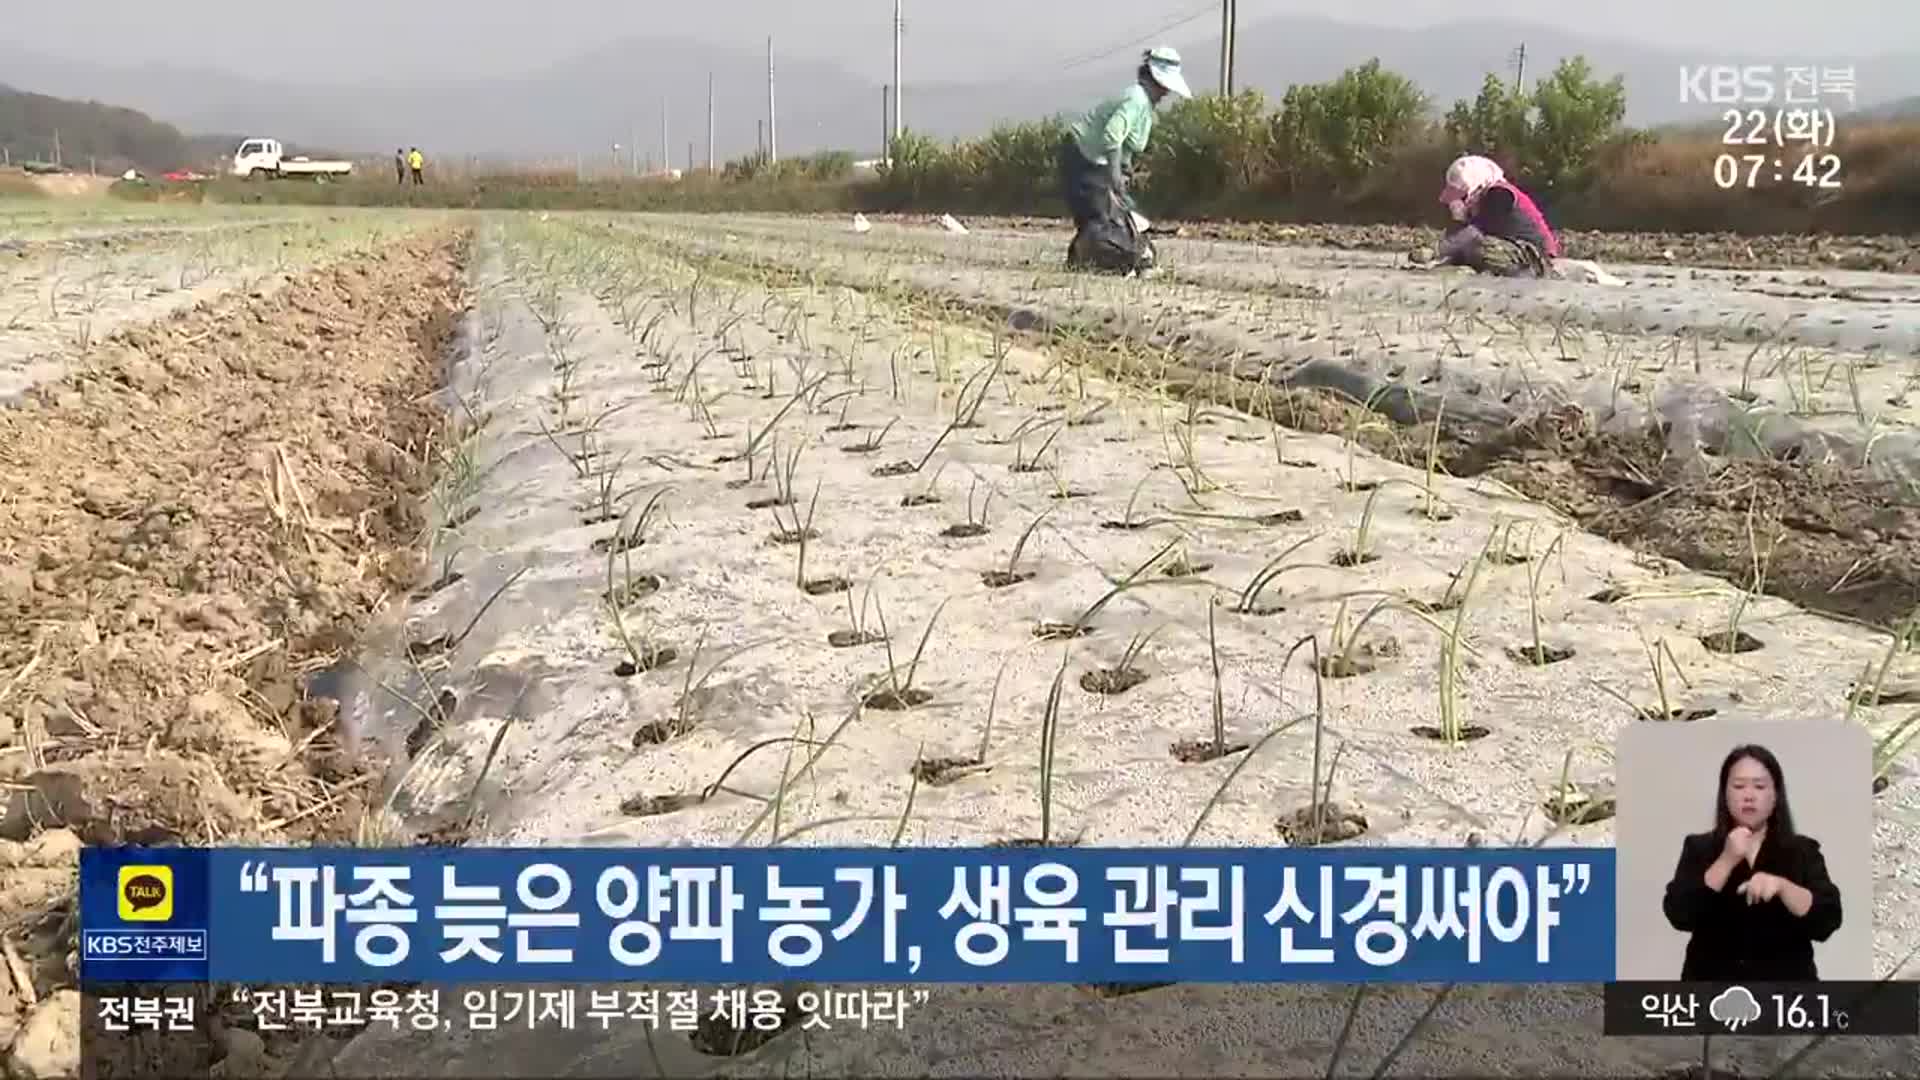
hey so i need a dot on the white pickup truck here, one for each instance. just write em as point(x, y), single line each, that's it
point(265, 159)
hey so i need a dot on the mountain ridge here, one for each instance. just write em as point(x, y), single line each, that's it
point(615, 94)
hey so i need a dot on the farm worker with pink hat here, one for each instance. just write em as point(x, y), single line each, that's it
point(1095, 160)
point(1496, 228)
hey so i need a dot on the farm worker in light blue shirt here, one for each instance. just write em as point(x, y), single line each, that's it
point(1095, 156)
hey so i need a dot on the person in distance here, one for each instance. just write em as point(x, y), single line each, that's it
point(1496, 228)
point(1095, 164)
point(1754, 894)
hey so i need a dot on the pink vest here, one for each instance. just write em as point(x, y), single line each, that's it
point(1524, 204)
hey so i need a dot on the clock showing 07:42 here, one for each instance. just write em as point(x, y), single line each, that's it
point(1750, 170)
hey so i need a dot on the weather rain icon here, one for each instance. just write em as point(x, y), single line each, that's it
point(1735, 1007)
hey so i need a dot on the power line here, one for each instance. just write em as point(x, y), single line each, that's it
point(1074, 63)
point(1211, 7)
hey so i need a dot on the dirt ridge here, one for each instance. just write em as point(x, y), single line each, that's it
point(210, 511)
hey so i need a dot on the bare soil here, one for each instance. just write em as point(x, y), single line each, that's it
point(1830, 539)
point(210, 513)
point(1839, 544)
point(65, 185)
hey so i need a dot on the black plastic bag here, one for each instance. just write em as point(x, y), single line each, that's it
point(1112, 243)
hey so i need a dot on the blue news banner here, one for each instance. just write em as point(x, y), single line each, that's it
point(847, 915)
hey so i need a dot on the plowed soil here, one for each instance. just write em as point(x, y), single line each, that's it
point(1827, 538)
point(212, 512)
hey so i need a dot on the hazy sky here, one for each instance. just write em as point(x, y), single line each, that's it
point(428, 40)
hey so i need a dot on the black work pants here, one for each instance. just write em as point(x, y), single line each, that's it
point(1085, 186)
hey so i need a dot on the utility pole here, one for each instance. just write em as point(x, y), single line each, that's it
point(773, 111)
point(1520, 67)
point(710, 158)
point(1229, 20)
point(666, 155)
point(56, 146)
point(899, 25)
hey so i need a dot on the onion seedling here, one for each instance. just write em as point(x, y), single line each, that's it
point(966, 412)
point(859, 634)
point(719, 783)
point(1250, 596)
point(754, 442)
point(803, 532)
point(898, 694)
point(624, 541)
point(448, 575)
point(1889, 748)
point(1134, 580)
point(1090, 416)
point(1198, 752)
point(684, 718)
point(1731, 640)
point(592, 427)
point(1012, 574)
point(1220, 792)
point(928, 492)
point(1659, 657)
point(1361, 551)
point(975, 525)
point(580, 460)
point(1358, 423)
point(1049, 740)
point(1320, 795)
point(782, 471)
point(907, 468)
point(1870, 689)
point(1537, 653)
point(1128, 521)
point(873, 440)
point(1430, 507)
point(442, 643)
point(641, 657)
point(913, 788)
point(1025, 464)
point(1451, 729)
point(604, 498)
point(1125, 674)
point(1569, 806)
point(1452, 644)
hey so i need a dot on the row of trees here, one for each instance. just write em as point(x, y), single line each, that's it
point(1364, 147)
point(1357, 138)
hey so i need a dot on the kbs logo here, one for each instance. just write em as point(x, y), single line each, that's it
point(145, 894)
point(1725, 84)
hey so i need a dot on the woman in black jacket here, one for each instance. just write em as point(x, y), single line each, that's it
point(1753, 893)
